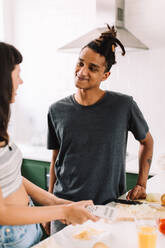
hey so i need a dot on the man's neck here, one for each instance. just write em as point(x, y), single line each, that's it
point(88, 97)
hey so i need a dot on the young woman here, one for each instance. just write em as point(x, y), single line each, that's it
point(18, 219)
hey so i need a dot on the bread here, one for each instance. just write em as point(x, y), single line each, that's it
point(163, 199)
point(84, 235)
point(153, 197)
point(87, 234)
point(99, 245)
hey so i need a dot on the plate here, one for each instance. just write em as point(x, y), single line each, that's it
point(102, 233)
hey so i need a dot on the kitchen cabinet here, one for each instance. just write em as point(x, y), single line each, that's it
point(36, 172)
point(131, 179)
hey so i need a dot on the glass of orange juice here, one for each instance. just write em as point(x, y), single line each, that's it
point(147, 233)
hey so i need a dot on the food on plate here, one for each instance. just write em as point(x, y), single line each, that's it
point(161, 225)
point(142, 211)
point(84, 235)
point(87, 234)
point(99, 245)
point(163, 199)
point(131, 212)
point(153, 197)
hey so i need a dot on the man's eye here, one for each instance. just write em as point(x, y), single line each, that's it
point(93, 69)
point(80, 64)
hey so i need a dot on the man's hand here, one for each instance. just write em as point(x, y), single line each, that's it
point(138, 192)
point(46, 227)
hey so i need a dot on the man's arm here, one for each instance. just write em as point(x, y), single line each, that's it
point(145, 158)
point(53, 179)
point(52, 171)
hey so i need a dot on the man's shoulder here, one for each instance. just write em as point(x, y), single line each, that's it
point(61, 103)
point(119, 96)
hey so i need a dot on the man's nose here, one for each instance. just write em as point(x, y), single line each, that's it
point(83, 71)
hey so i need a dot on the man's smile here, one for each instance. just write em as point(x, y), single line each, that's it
point(82, 78)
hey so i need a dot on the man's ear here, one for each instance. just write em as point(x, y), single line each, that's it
point(106, 75)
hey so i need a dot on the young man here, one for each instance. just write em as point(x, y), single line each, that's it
point(88, 132)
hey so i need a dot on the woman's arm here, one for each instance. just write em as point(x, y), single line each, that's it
point(18, 215)
point(74, 213)
point(41, 196)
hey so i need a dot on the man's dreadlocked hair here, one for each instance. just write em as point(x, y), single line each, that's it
point(105, 45)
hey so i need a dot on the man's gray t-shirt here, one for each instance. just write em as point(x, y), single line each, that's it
point(92, 144)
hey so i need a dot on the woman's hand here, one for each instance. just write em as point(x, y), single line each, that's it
point(76, 213)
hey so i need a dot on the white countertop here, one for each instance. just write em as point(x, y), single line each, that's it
point(114, 236)
point(41, 153)
point(156, 184)
point(121, 234)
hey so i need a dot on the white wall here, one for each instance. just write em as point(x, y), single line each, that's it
point(141, 73)
point(41, 26)
point(1, 21)
point(146, 20)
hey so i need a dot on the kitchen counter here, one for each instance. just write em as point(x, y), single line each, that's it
point(114, 236)
point(40, 153)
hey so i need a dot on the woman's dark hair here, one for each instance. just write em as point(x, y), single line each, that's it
point(9, 57)
point(105, 45)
